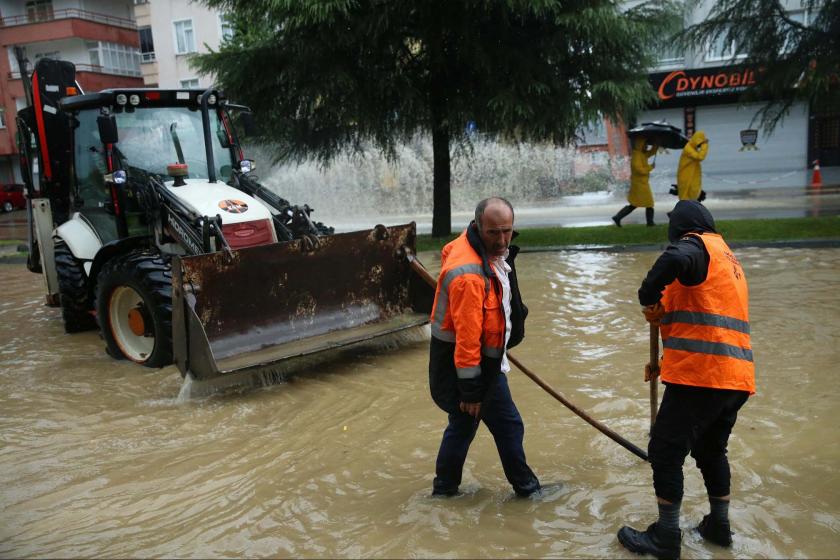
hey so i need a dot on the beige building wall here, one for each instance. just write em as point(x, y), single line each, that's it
point(198, 27)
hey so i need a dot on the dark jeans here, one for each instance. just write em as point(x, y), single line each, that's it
point(502, 419)
point(697, 420)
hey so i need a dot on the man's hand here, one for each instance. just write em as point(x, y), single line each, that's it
point(471, 408)
point(652, 371)
point(653, 313)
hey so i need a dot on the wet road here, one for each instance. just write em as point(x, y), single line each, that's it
point(590, 209)
point(100, 459)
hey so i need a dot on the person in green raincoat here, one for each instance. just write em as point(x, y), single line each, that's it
point(640, 195)
point(689, 184)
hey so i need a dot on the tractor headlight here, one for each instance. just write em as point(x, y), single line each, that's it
point(118, 177)
point(211, 99)
point(246, 165)
point(121, 99)
point(134, 99)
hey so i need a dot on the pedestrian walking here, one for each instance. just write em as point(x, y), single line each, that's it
point(689, 172)
point(697, 292)
point(640, 195)
point(477, 314)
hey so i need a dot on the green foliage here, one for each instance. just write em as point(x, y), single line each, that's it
point(324, 75)
point(797, 62)
point(784, 229)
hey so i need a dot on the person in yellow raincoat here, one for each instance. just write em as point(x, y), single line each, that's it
point(689, 184)
point(640, 194)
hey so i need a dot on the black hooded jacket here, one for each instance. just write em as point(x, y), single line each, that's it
point(447, 390)
point(686, 258)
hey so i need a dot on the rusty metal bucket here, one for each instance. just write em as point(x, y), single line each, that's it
point(263, 305)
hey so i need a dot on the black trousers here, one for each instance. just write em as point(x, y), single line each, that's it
point(696, 420)
point(502, 418)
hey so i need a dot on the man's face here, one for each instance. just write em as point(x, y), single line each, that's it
point(496, 228)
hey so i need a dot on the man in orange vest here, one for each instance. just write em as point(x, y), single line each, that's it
point(696, 291)
point(477, 314)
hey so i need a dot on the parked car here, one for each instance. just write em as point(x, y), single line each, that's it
point(11, 197)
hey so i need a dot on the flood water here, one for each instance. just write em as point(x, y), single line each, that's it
point(98, 458)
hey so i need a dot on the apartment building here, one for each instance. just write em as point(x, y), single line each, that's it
point(698, 89)
point(172, 30)
point(98, 36)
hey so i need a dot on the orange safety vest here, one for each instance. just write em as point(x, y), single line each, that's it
point(468, 309)
point(706, 329)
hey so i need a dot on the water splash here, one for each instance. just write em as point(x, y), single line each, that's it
point(369, 185)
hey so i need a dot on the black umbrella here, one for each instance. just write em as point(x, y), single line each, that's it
point(659, 133)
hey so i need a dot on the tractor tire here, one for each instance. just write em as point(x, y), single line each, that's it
point(72, 290)
point(134, 308)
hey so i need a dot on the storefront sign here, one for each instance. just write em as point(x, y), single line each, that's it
point(702, 86)
point(749, 137)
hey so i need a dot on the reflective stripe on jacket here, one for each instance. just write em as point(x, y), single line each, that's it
point(467, 302)
point(706, 329)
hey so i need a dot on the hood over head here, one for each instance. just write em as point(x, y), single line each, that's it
point(689, 216)
point(639, 143)
point(697, 138)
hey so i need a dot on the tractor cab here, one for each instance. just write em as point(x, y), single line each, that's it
point(122, 138)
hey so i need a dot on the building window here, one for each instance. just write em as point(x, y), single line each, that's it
point(184, 37)
point(147, 45)
point(799, 16)
point(191, 83)
point(39, 10)
point(113, 58)
point(54, 55)
point(670, 54)
point(723, 49)
point(225, 26)
point(594, 133)
point(2, 117)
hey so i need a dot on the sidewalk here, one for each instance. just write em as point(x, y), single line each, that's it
point(596, 209)
point(592, 209)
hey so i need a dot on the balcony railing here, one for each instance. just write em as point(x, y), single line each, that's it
point(67, 13)
point(95, 68)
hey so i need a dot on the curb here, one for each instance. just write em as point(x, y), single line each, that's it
point(816, 243)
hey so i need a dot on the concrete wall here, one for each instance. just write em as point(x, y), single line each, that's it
point(698, 57)
point(173, 68)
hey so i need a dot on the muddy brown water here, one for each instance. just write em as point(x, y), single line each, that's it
point(99, 458)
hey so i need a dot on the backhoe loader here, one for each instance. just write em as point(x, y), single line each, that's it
point(147, 223)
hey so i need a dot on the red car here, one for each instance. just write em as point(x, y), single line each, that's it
point(11, 197)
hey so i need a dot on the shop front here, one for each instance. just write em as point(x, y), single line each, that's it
point(740, 154)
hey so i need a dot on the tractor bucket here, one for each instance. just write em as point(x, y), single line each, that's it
point(249, 310)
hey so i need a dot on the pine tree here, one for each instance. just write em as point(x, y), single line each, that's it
point(323, 76)
point(797, 60)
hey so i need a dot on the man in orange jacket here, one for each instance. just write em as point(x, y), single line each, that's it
point(478, 313)
point(697, 292)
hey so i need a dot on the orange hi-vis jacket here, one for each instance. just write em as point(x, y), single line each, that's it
point(706, 329)
point(468, 309)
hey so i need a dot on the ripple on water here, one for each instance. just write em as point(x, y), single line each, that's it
point(101, 458)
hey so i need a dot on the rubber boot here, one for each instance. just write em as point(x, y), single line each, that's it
point(622, 214)
point(649, 217)
point(716, 532)
point(654, 541)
